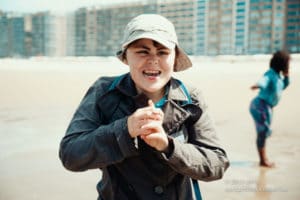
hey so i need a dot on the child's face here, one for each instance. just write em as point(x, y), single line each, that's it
point(151, 65)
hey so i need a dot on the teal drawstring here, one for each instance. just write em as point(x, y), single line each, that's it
point(197, 189)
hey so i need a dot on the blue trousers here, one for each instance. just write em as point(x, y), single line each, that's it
point(262, 115)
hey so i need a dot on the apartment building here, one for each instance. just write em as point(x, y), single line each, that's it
point(4, 37)
point(12, 35)
point(99, 30)
point(182, 14)
point(204, 27)
point(240, 22)
point(292, 28)
point(266, 26)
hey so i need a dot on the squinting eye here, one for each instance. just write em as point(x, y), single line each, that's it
point(142, 52)
point(163, 53)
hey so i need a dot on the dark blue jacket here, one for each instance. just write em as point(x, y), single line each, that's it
point(97, 137)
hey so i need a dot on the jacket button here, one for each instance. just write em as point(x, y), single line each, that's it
point(158, 189)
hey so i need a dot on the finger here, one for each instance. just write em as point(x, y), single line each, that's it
point(153, 137)
point(147, 110)
point(159, 112)
point(152, 105)
point(157, 140)
point(152, 125)
point(142, 114)
point(147, 132)
point(155, 114)
point(148, 113)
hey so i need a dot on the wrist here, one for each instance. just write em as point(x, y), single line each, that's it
point(130, 130)
point(170, 147)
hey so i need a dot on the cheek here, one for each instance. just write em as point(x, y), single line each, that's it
point(171, 62)
point(172, 57)
point(132, 61)
point(133, 66)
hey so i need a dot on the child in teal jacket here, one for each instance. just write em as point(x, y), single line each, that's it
point(270, 86)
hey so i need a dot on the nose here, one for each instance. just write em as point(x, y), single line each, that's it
point(153, 60)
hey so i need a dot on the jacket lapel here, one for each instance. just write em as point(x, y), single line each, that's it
point(174, 117)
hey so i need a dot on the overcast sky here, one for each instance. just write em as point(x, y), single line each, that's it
point(52, 5)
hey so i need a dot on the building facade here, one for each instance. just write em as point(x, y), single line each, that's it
point(241, 24)
point(266, 26)
point(99, 31)
point(12, 35)
point(292, 30)
point(182, 14)
point(4, 37)
point(204, 27)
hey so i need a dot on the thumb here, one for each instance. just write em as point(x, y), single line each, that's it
point(150, 103)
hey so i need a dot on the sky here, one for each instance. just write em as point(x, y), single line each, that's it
point(60, 6)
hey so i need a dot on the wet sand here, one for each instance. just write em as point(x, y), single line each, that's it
point(39, 96)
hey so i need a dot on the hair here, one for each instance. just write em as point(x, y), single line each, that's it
point(280, 61)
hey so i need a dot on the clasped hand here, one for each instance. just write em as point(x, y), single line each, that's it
point(146, 123)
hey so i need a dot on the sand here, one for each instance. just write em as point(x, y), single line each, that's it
point(39, 96)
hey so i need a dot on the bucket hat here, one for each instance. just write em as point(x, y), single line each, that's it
point(159, 29)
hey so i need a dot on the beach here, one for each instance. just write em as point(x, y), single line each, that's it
point(40, 95)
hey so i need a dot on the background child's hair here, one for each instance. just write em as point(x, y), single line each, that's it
point(280, 61)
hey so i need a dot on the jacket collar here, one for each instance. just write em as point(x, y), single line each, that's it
point(176, 93)
point(126, 86)
point(175, 109)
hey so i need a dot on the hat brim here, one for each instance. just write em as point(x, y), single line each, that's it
point(183, 62)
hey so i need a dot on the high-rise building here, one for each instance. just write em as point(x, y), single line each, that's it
point(222, 27)
point(17, 36)
point(80, 32)
point(182, 14)
point(200, 26)
point(28, 35)
point(4, 37)
point(266, 26)
point(292, 34)
point(39, 33)
point(120, 15)
point(12, 35)
point(240, 22)
point(56, 33)
point(204, 27)
point(70, 34)
point(99, 30)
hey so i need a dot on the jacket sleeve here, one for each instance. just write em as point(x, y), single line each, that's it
point(89, 143)
point(263, 82)
point(286, 82)
point(201, 157)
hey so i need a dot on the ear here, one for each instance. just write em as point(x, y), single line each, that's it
point(125, 60)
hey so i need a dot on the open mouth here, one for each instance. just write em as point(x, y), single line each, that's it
point(152, 73)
